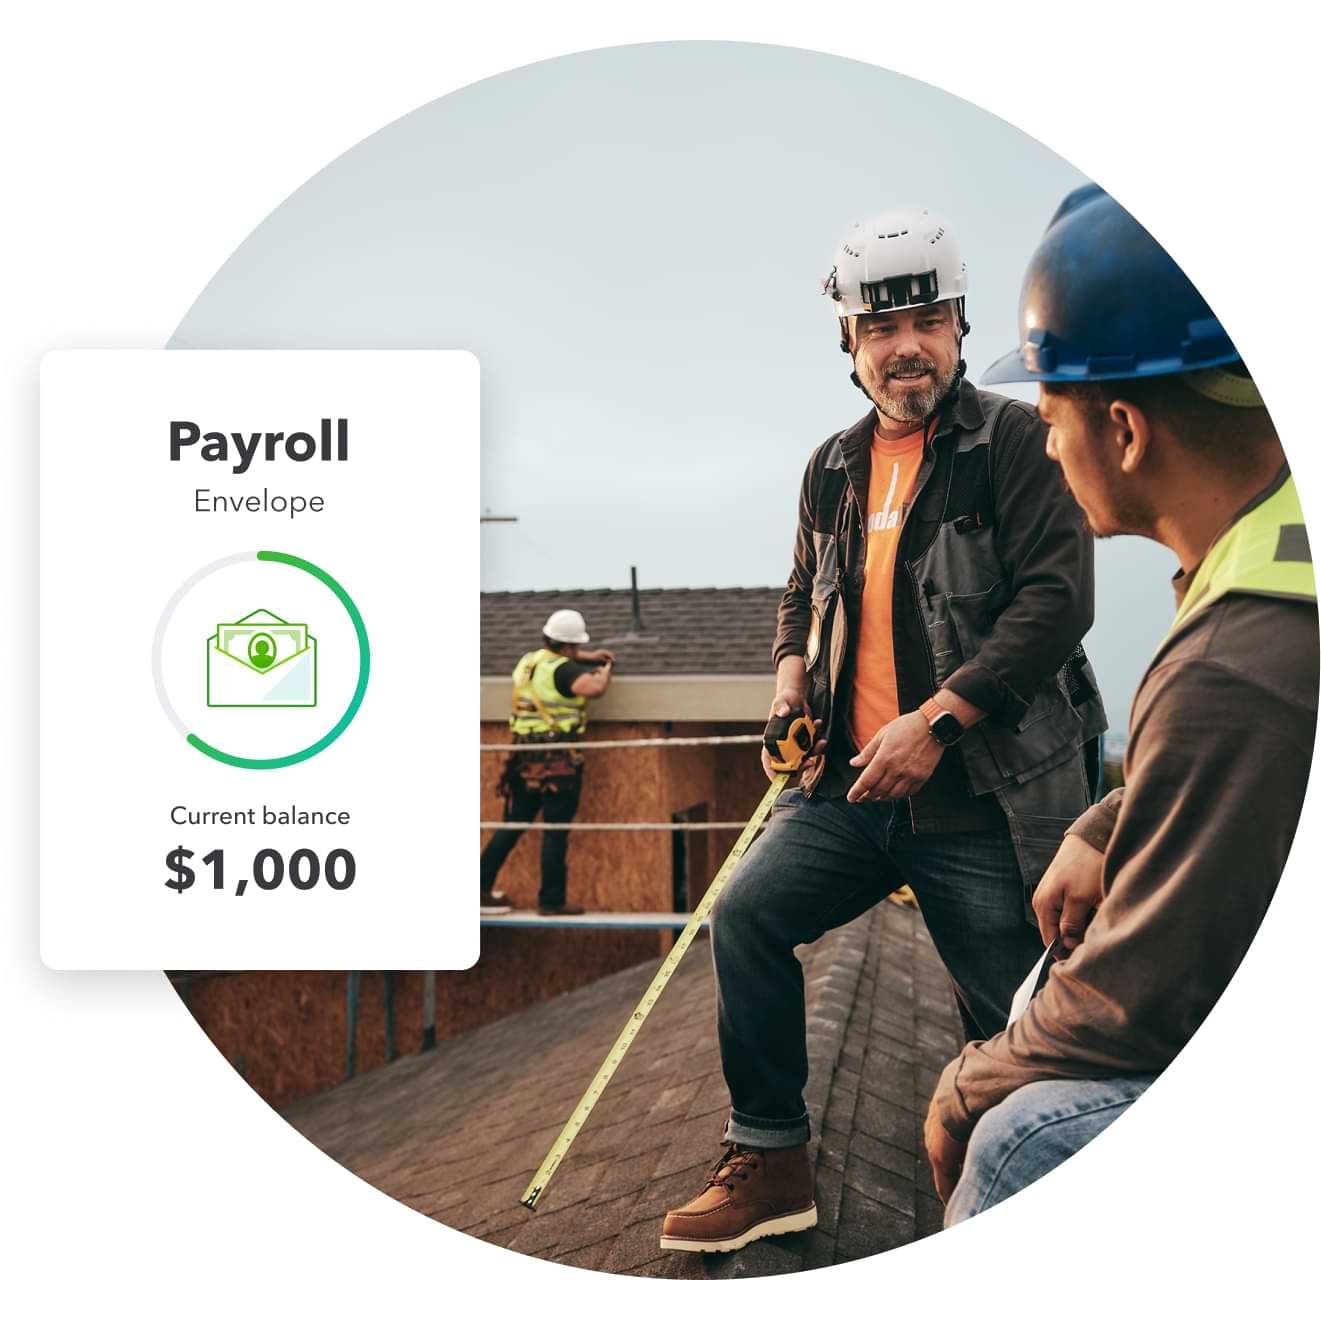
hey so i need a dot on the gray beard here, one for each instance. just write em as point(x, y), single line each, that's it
point(913, 405)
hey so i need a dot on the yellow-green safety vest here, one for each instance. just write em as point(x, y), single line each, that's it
point(1265, 553)
point(539, 707)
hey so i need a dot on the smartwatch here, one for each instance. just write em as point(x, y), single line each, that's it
point(942, 724)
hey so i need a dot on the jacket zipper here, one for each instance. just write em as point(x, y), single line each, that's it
point(931, 659)
point(842, 574)
point(918, 596)
point(917, 600)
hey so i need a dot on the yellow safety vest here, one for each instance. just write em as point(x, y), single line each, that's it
point(539, 707)
point(1265, 553)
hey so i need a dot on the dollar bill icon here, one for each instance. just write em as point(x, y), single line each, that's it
point(261, 660)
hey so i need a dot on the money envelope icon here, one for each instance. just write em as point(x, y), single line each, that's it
point(261, 660)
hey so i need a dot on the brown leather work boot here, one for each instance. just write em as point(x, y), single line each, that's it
point(750, 1194)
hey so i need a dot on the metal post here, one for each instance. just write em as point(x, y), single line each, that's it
point(355, 989)
point(637, 601)
point(388, 992)
point(428, 1011)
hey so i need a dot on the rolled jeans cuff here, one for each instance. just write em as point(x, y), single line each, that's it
point(768, 1133)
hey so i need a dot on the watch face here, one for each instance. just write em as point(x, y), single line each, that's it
point(947, 730)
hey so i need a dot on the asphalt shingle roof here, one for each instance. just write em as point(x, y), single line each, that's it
point(685, 630)
point(457, 1133)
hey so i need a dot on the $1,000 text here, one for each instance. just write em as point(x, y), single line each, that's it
point(269, 869)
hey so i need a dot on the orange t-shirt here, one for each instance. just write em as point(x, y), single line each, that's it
point(894, 466)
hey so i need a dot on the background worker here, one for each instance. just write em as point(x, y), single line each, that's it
point(1160, 433)
point(941, 586)
point(552, 686)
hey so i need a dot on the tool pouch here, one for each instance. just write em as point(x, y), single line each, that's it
point(548, 769)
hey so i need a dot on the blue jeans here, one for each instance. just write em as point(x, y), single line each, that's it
point(1033, 1131)
point(820, 863)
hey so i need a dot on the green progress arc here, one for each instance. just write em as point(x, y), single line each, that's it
point(364, 668)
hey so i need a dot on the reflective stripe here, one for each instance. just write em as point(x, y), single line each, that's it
point(1265, 553)
point(538, 705)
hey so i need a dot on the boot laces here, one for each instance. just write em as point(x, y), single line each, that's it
point(737, 1162)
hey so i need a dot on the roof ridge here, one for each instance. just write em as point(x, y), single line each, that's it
point(623, 591)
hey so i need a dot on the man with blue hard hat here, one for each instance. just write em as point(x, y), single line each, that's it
point(1158, 890)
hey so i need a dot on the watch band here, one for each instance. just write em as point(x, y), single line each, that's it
point(933, 710)
point(943, 725)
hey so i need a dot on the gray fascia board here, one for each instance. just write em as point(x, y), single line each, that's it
point(715, 698)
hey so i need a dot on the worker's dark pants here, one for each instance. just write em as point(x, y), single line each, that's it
point(558, 807)
point(821, 863)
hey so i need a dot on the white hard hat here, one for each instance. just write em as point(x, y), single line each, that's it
point(897, 259)
point(566, 626)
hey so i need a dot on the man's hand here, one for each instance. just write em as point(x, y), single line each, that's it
point(790, 695)
point(899, 759)
point(1069, 893)
point(783, 704)
point(599, 655)
point(945, 1153)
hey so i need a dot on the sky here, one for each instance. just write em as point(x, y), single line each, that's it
point(632, 241)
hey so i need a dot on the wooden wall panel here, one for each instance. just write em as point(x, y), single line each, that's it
point(608, 872)
point(689, 783)
point(741, 784)
point(286, 1032)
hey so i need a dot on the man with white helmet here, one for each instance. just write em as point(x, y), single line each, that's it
point(941, 586)
point(552, 686)
point(1160, 432)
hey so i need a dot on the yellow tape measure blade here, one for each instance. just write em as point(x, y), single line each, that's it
point(615, 1056)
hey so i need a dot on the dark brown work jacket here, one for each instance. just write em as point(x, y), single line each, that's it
point(993, 592)
point(1220, 744)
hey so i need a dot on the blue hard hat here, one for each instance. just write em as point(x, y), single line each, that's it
point(1102, 300)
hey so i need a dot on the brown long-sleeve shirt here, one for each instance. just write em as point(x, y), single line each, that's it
point(1220, 743)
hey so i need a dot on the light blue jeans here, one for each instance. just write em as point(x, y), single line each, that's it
point(1032, 1132)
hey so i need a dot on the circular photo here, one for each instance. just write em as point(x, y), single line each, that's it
point(898, 660)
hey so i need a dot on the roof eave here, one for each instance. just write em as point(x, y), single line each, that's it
point(713, 698)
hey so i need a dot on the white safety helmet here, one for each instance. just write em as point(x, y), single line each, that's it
point(896, 259)
point(566, 626)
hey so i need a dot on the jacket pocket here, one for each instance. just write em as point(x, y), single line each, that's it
point(963, 563)
point(1036, 840)
point(1038, 813)
point(973, 616)
point(945, 654)
point(1049, 699)
point(1044, 754)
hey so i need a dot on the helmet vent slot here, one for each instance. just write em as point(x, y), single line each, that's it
point(900, 291)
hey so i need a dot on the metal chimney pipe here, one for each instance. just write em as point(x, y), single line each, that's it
point(637, 604)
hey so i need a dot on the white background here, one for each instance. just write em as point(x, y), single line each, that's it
point(120, 534)
point(142, 143)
